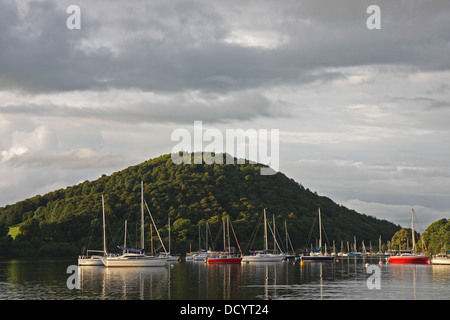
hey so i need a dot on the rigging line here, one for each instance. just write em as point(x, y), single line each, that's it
point(278, 233)
point(235, 237)
point(93, 225)
point(210, 236)
point(253, 237)
point(219, 232)
point(310, 233)
point(418, 226)
point(157, 232)
point(276, 242)
point(325, 233)
point(289, 242)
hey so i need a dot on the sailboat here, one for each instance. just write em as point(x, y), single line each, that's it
point(288, 255)
point(404, 258)
point(355, 252)
point(135, 257)
point(168, 255)
point(441, 258)
point(316, 254)
point(225, 257)
point(264, 255)
point(201, 255)
point(95, 260)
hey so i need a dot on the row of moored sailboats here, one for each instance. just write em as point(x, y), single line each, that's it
point(131, 257)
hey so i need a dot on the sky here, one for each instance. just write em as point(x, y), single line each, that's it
point(363, 114)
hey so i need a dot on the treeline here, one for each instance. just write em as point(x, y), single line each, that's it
point(68, 221)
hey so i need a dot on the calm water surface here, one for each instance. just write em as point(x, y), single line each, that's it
point(346, 279)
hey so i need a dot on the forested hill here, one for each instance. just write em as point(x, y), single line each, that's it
point(68, 220)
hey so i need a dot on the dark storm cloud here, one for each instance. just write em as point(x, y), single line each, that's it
point(185, 45)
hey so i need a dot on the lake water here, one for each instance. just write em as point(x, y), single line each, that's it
point(348, 279)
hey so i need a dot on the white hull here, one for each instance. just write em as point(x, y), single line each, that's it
point(91, 261)
point(200, 257)
point(441, 259)
point(264, 258)
point(134, 260)
point(169, 257)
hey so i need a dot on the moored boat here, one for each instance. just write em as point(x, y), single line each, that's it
point(95, 260)
point(136, 257)
point(316, 254)
point(318, 258)
point(90, 260)
point(406, 258)
point(441, 259)
point(223, 259)
point(226, 256)
point(264, 255)
point(133, 260)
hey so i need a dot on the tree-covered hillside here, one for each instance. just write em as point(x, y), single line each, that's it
point(66, 221)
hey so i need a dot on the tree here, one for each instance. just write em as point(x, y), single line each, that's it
point(437, 236)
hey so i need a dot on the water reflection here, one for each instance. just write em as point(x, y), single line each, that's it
point(124, 283)
point(346, 279)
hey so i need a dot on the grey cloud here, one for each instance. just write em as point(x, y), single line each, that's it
point(181, 108)
point(181, 45)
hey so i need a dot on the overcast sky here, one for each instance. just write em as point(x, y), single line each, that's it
point(364, 115)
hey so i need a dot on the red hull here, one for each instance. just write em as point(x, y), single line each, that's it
point(223, 260)
point(408, 259)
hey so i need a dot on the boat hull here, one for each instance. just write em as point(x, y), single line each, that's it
point(224, 260)
point(440, 261)
point(416, 259)
point(318, 258)
point(264, 258)
point(130, 261)
point(92, 261)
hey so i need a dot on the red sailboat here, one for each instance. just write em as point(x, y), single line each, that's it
point(225, 257)
point(406, 258)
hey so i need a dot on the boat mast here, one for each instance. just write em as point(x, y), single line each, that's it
point(142, 214)
point(169, 235)
point(224, 239)
point(228, 233)
point(104, 227)
point(412, 233)
point(266, 245)
point(285, 229)
point(125, 237)
point(320, 232)
point(274, 237)
point(206, 235)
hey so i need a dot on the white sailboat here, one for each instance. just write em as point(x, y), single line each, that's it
point(95, 260)
point(169, 255)
point(264, 255)
point(135, 257)
point(441, 258)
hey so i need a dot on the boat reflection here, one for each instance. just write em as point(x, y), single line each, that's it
point(124, 283)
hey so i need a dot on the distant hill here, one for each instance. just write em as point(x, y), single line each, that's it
point(67, 221)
